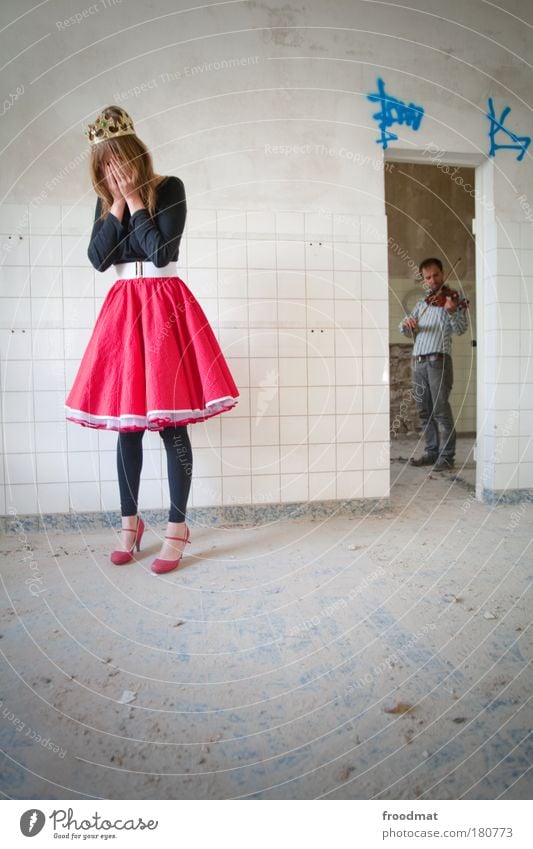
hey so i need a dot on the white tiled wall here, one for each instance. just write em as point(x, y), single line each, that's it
point(299, 305)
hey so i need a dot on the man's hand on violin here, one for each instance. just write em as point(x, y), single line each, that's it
point(410, 323)
point(450, 305)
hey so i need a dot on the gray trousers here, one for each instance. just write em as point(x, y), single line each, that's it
point(432, 384)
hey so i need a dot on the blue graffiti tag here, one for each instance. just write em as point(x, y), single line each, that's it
point(496, 126)
point(393, 111)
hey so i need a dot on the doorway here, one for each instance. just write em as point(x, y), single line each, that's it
point(430, 213)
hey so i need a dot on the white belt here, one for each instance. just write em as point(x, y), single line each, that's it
point(143, 268)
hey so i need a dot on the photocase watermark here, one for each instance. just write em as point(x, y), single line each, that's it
point(187, 72)
point(499, 448)
point(526, 207)
point(29, 732)
point(387, 664)
point(414, 394)
point(11, 99)
point(268, 387)
point(34, 581)
point(88, 12)
point(331, 609)
point(436, 155)
point(167, 327)
point(516, 517)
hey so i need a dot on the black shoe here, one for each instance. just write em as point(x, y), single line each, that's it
point(424, 460)
point(443, 465)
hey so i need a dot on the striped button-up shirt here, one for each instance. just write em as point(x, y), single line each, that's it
point(435, 328)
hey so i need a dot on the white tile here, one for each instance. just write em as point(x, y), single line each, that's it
point(264, 401)
point(262, 285)
point(292, 314)
point(322, 486)
point(349, 342)
point(77, 220)
point(18, 437)
point(45, 250)
point(231, 222)
point(203, 283)
point(201, 222)
point(51, 436)
point(346, 256)
point(319, 225)
point(47, 313)
point(525, 475)
point(292, 401)
point(206, 492)
point(104, 281)
point(74, 251)
point(19, 468)
point(374, 285)
point(22, 498)
point(49, 374)
point(265, 459)
point(235, 432)
point(350, 456)
point(349, 400)
point(14, 217)
point(83, 438)
point(349, 428)
point(75, 343)
point(84, 497)
point(14, 282)
point(52, 498)
point(265, 489)
point(293, 371)
point(263, 313)
point(319, 255)
point(232, 312)
point(525, 450)
point(502, 369)
point(48, 343)
point(321, 314)
point(264, 429)
point(505, 476)
point(349, 371)
point(237, 490)
point(294, 487)
point(152, 495)
point(319, 286)
point(322, 458)
point(49, 406)
point(15, 344)
point(18, 407)
point(375, 343)
point(320, 400)
point(374, 228)
point(260, 222)
point(45, 219)
point(350, 484)
point(376, 399)
point(83, 466)
point(322, 373)
point(320, 343)
point(264, 372)
point(261, 254)
point(290, 254)
point(376, 455)
point(374, 258)
point(14, 250)
point(231, 253)
point(375, 314)
point(376, 484)
point(511, 262)
point(263, 343)
point(207, 462)
point(78, 312)
point(235, 461)
point(290, 223)
point(46, 282)
point(292, 342)
point(291, 286)
point(293, 430)
point(15, 312)
point(321, 429)
point(234, 342)
point(348, 313)
point(294, 459)
point(348, 226)
point(503, 396)
point(375, 427)
point(202, 253)
point(51, 468)
point(16, 376)
point(232, 283)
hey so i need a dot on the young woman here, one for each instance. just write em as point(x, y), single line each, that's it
point(153, 362)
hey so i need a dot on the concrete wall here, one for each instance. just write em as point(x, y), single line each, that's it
point(259, 109)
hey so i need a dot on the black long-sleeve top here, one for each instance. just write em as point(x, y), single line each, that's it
point(138, 236)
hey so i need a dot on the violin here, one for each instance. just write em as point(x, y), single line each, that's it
point(438, 298)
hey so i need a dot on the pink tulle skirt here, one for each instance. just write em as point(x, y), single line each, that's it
point(152, 361)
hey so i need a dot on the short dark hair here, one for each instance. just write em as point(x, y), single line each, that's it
point(431, 260)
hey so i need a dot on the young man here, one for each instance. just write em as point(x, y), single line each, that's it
point(432, 370)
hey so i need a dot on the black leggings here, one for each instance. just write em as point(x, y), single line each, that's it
point(179, 464)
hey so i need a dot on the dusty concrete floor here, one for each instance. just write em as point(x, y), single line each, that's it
point(382, 656)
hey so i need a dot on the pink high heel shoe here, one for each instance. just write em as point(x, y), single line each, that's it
point(160, 566)
point(120, 557)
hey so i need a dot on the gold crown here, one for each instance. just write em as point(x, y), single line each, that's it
point(108, 126)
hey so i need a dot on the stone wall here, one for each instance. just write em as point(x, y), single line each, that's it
point(403, 416)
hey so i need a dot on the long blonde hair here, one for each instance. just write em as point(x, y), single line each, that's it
point(130, 151)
